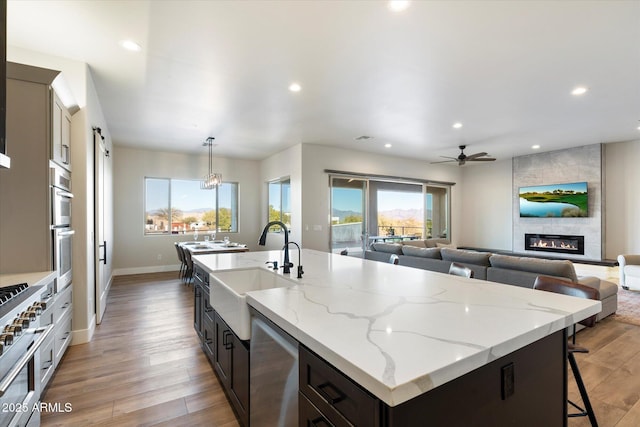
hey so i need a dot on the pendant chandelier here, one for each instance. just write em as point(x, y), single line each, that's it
point(212, 179)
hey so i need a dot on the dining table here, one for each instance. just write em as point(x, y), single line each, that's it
point(213, 247)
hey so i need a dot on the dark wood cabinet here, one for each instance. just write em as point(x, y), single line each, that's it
point(228, 354)
point(232, 367)
point(309, 415)
point(341, 401)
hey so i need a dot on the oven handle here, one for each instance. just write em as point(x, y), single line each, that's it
point(64, 194)
point(66, 233)
point(11, 376)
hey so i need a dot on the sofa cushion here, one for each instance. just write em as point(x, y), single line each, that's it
point(390, 248)
point(547, 267)
point(433, 242)
point(445, 245)
point(421, 252)
point(430, 264)
point(415, 243)
point(466, 257)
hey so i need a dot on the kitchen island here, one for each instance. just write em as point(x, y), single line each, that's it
point(408, 336)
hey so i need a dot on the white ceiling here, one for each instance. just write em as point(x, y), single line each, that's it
point(222, 68)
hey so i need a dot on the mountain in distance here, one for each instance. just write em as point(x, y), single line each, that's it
point(402, 214)
point(343, 214)
point(399, 214)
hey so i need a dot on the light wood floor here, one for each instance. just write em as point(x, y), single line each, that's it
point(144, 366)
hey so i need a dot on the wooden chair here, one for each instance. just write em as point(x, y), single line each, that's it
point(457, 269)
point(565, 287)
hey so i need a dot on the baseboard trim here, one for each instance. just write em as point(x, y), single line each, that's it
point(83, 336)
point(143, 270)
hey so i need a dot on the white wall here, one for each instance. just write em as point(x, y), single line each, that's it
point(622, 198)
point(280, 165)
point(486, 214)
point(136, 253)
point(315, 185)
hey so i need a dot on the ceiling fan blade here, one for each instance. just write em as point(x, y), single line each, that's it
point(473, 156)
point(483, 159)
point(452, 158)
point(445, 161)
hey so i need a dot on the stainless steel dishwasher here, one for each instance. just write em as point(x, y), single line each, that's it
point(273, 376)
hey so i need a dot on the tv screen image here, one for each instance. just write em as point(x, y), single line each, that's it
point(554, 201)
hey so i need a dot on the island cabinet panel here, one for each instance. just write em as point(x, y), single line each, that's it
point(340, 400)
point(232, 366)
point(478, 398)
point(197, 308)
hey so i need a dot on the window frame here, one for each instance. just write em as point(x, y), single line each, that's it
point(279, 181)
point(169, 231)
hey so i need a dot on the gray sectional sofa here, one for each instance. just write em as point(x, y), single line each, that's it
point(508, 269)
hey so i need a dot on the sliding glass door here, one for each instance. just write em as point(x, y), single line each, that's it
point(349, 215)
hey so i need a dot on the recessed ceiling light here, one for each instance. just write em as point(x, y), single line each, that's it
point(580, 90)
point(295, 87)
point(535, 147)
point(387, 146)
point(457, 125)
point(398, 5)
point(131, 45)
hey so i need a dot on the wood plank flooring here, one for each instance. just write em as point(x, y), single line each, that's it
point(144, 366)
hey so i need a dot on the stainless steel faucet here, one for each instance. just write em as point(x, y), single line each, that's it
point(286, 267)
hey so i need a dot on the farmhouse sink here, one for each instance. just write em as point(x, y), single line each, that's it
point(228, 295)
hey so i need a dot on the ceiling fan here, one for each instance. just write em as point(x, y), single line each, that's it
point(463, 158)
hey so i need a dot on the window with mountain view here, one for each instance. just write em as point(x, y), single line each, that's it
point(364, 210)
point(179, 206)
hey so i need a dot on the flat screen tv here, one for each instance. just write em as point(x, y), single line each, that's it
point(554, 201)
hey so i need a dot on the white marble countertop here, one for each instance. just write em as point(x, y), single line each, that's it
point(33, 279)
point(399, 331)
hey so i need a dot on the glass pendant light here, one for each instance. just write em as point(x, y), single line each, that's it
point(212, 179)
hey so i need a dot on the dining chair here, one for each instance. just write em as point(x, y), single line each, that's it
point(183, 264)
point(565, 287)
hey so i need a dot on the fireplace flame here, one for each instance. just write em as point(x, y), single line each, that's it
point(551, 244)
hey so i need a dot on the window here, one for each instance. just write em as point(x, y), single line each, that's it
point(179, 206)
point(280, 202)
point(365, 209)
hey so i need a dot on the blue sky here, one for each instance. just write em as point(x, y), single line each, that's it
point(186, 195)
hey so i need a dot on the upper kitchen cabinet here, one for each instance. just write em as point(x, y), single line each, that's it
point(61, 134)
point(55, 113)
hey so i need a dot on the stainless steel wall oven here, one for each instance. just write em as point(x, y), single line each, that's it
point(61, 199)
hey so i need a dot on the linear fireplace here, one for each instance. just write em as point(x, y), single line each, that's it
point(554, 243)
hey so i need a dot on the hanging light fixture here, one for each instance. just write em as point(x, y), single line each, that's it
point(212, 179)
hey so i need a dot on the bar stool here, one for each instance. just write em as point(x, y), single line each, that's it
point(394, 259)
point(552, 284)
point(457, 269)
